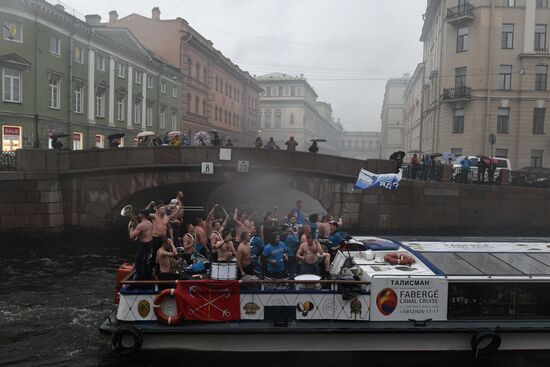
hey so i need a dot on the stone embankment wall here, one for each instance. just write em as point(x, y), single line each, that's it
point(42, 196)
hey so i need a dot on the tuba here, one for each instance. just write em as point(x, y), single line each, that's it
point(128, 211)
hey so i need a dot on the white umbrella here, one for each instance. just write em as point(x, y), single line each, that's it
point(172, 133)
point(144, 134)
point(201, 138)
point(446, 155)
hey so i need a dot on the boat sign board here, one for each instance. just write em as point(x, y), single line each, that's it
point(404, 298)
point(479, 246)
point(207, 168)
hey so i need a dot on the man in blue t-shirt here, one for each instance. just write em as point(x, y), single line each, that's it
point(275, 254)
point(335, 239)
point(256, 247)
point(292, 242)
point(465, 169)
point(298, 212)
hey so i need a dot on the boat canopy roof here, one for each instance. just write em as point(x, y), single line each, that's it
point(484, 258)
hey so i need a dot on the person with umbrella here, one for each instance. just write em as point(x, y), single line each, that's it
point(482, 164)
point(258, 143)
point(271, 145)
point(398, 158)
point(56, 143)
point(114, 140)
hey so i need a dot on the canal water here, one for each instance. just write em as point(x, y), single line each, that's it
point(54, 295)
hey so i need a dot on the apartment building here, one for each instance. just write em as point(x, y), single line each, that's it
point(486, 71)
point(289, 107)
point(217, 94)
point(62, 74)
point(393, 116)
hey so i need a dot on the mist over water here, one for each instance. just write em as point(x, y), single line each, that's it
point(54, 295)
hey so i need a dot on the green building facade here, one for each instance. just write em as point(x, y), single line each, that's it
point(64, 75)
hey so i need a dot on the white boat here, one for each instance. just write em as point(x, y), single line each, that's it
point(389, 296)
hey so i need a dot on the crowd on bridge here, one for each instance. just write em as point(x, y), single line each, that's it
point(276, 248)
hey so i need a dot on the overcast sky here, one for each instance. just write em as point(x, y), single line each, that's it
point(347, 49)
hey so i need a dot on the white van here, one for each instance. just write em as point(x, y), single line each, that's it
point(501, 163)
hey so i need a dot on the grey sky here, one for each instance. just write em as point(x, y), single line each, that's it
point(347, 49)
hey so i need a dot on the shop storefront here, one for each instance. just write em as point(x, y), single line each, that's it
point(12, 138)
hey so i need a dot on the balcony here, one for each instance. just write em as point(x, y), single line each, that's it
point(459, 94)
point(538, 52)
point(460, 15)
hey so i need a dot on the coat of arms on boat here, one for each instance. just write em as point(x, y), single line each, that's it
point(251, 308)
point(305, 307)
point(355, 308)
point(143, 308)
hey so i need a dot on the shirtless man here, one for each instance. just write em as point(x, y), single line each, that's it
point(200, 233)
point(216, 236)
point(239, 222)
point(165, 259)
point(161, 226)
point(144, 234)
point(189, 240)
point(244, 258)
point(310, 253)
point(225, 247)
point(323, 227)
point(249, 222)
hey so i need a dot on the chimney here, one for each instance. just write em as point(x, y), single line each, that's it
point(60, 7)
point(113, 16)
point(155, 13)
point(93, 19)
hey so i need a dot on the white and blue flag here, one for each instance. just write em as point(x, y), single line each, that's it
point(367, 179)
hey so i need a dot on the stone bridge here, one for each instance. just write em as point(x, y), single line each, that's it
point(54, 190)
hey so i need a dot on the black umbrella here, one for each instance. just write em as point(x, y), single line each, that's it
point(60, 135)
point(319, 140)
point(397, 155)
point(115, 136)
point(435, 155)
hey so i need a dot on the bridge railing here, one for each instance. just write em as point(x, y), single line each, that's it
point(7, 161)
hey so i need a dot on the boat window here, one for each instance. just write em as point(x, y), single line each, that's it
point(524, 263)
point(489, 264)
point(498, 300)
point(451, 264)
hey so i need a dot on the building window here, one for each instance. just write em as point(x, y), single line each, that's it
point(137, 112)
point(536, 158)
point(292, 119)
point(510, 3)
point(540, 37)
point(456, 151)
point(54, 91)
point(174, 120)
point(458, 121)
point(174, 92)
point(205, 75)
point(190, 64)
point(99, 141)
point(12, 91)
point(77, 141)
point(198, 71)
point(120, 109)
point(149, 115)
point(538, 120)
point(162, 86)
point(230, 91)
point(204, 107)
point(501, 153)
point(541, 77)
point(507, 36)
point(503, 118)
point(267, 119)
point(197, 105)
point(138, 75)
point(505, 78)
point(78, 93)
point(121, 70)
point(100, 102)
point(460, 77)
point(149, 82)
point(293, 91)
point(55, 45)
point(278, 118)
point(542, 3)
point(100, 62)
point(12, 31)
point(268, 91)
point(162, 119)
point(280, 91)
point(79, 55)
point(217, 80)
point(462, 39)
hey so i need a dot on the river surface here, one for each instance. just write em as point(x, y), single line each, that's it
point(53, 296)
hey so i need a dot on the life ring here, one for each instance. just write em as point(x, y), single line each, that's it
point(122, 331)
point(399, 259)
point(485, 343)
point(161, 316)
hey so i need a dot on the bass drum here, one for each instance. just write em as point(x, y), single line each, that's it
point(224, 271)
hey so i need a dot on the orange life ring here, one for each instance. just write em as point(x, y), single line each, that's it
point(399, 259)
point(161, 316)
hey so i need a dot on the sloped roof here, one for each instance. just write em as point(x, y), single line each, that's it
point(124, 37)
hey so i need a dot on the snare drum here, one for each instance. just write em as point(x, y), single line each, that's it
point(308, 285)
point(224, 271)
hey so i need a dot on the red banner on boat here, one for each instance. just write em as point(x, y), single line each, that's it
point(208, 300)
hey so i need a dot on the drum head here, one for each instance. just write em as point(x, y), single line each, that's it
point(307, 277)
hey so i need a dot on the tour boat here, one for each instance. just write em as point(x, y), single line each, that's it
point(382, 295)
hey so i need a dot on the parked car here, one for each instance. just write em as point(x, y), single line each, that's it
point(531, 176)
